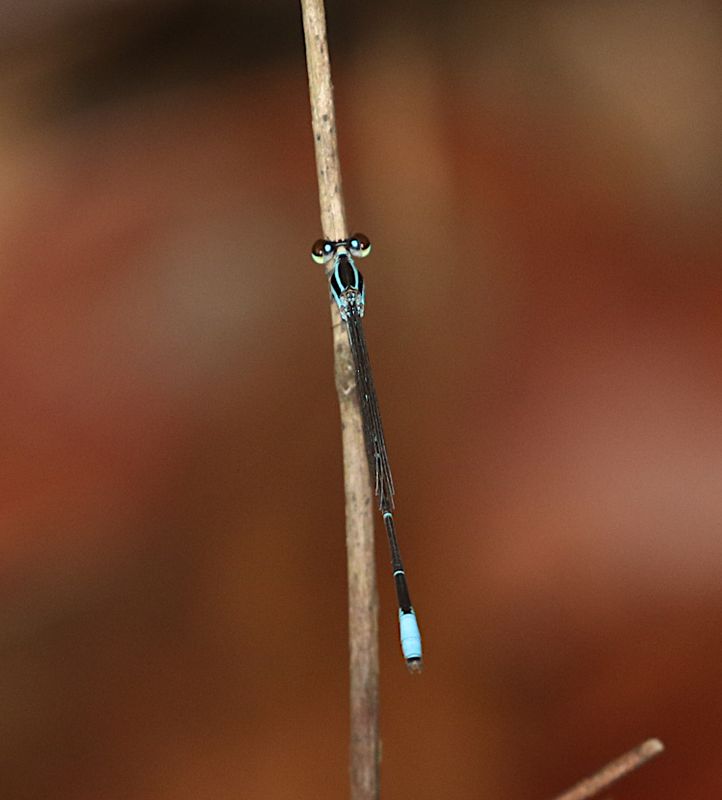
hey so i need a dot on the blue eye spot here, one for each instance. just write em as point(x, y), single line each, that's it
point(354, 244)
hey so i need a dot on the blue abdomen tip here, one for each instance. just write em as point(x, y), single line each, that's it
point(410, 636)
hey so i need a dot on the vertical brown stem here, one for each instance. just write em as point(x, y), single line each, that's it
point(363, 602)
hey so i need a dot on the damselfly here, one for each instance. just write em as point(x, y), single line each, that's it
point(347, 290)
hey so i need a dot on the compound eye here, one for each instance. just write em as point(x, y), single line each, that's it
point(322, 251)
point(359, 245)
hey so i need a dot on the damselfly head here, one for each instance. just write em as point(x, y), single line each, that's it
point(322, 251)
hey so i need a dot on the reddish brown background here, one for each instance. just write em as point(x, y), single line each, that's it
point(542, 187)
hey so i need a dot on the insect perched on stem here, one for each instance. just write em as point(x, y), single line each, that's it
point(347, 290)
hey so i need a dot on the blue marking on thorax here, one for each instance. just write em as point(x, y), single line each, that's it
point(347, 284)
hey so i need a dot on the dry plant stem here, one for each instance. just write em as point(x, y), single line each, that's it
point(613, 771)
point(363, 601)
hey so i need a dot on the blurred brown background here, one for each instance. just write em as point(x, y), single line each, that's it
point(542, 185)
